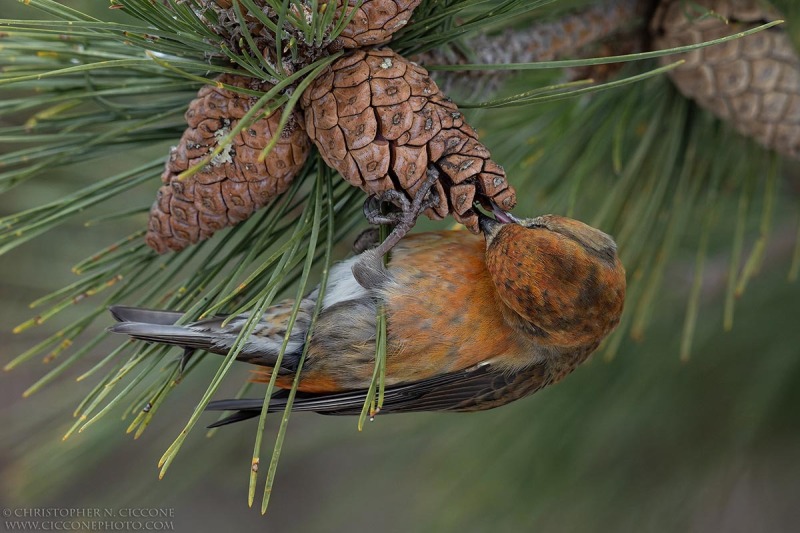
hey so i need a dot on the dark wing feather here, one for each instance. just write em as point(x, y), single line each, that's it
point(238, 416)
point(473, 389)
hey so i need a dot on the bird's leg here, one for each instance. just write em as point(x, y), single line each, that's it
point(369, 270)
point(366, 239)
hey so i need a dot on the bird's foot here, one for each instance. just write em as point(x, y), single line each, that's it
point(369, 270)
point(374, 207)
point(405, 218)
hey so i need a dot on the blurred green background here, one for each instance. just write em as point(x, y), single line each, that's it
point(639, 443)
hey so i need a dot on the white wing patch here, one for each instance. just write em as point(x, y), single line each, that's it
point(342, 286)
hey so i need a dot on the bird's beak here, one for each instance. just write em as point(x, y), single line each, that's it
point(503, 216)
point(489, 227)
point(488, 224)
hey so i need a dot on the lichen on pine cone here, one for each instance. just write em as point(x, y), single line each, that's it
point(752, 82)
point(374, 22)
point(380, 120)
point(233, 184)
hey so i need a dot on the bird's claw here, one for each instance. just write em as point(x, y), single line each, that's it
point(404, 219)
point(369, 270)
point(373, 207)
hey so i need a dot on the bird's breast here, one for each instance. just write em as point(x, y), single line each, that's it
point(442, 308)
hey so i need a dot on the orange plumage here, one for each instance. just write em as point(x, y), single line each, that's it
point(473, 322)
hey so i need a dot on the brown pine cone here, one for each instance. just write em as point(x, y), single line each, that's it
point(375, 21)
point(234, 184)
point(752, 82)
point(380, 120)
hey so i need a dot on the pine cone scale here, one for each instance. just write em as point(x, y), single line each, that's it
point(409, 165)
point(379, 13)
point(326, 112)
point(321, 86)
point(461, 198)
point(389, 92)
point(349, 76)
point(775, 107)
point(375, 21)
point(336, 144)
point(459, 167)
point(395, 120)
point(351, 100)
point(373, 160)
point(237, 199)
point(359, 130)
point(424, 126)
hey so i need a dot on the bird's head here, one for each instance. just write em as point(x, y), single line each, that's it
point(560, 276)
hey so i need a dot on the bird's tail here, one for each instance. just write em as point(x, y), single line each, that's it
point(123, 313)
point(213, 335)
point(151, 325)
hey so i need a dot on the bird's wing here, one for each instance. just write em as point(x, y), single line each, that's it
point(474, 389)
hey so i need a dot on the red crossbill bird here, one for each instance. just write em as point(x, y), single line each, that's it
point(473, 322)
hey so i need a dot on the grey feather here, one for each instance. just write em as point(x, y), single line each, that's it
point(175, 335)
point(124, 313)
point(369, 271)
point(261, 348)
